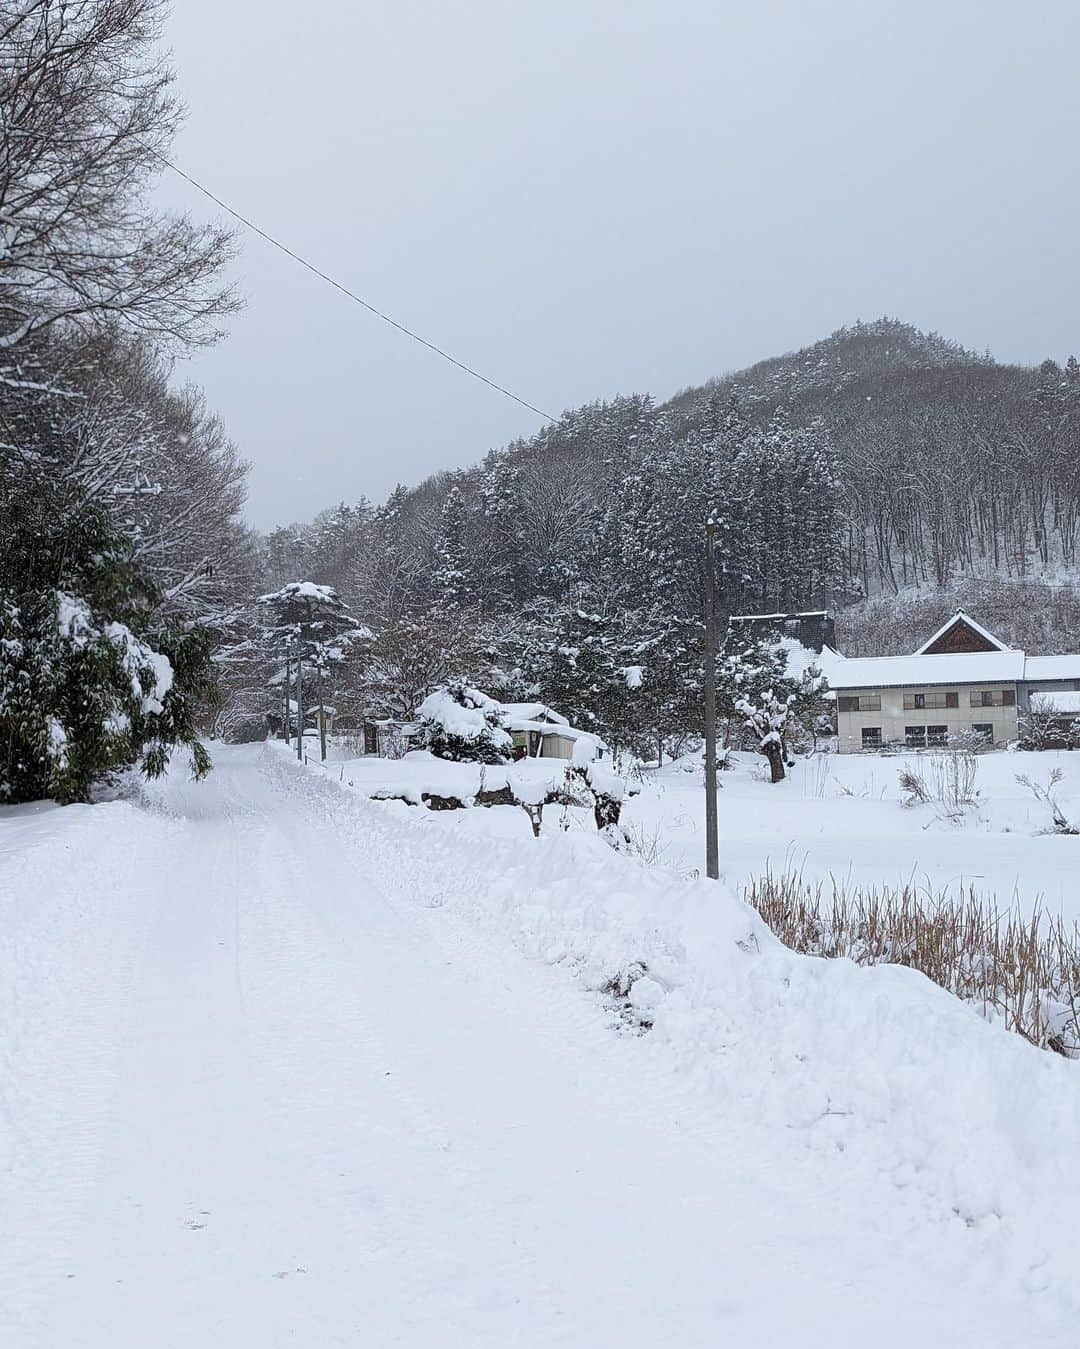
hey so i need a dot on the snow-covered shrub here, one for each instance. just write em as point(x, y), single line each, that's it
point(953, 774)
point(1043, 726)
point(1048, 796)
point(87, 686)
point(592, 782)
point(460, 723)
point(914, 787)
point(1023, 973)
point(945, 779)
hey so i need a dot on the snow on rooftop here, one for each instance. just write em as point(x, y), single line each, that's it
point(1065, 702)
point(807, 613)
point(969, 667)
point(532, 712)
point(1052, 667)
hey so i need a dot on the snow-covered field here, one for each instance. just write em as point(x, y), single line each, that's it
point(283, 1065)
point(842, 816)
point(838, 816)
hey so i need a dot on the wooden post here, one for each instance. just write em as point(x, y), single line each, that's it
point(712, 847)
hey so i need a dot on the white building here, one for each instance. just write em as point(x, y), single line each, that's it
point(962, 679)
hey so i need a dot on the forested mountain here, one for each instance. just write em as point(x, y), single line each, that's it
point(878, 465)
point(874, 461)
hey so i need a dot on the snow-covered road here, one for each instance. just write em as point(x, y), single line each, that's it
point(261, 1088)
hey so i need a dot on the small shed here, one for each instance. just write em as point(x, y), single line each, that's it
point(539, 732)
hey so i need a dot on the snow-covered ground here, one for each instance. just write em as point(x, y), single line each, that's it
point(843, 816)
point(838, 816)
point(282, 1065)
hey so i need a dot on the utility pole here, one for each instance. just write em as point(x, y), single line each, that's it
point(712, 846)
point(322, 708)
point(299, 699)
point(286, 729)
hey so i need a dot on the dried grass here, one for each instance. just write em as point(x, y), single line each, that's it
point(1023, 973)
point(947, 779)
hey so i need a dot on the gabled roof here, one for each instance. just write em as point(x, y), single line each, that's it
point(533, 712)
point(1000, 664)
point(961, 617)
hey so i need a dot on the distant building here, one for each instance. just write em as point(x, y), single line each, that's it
point(814, 630)
point(541, 733)
point(962, 679)
point(538, 732)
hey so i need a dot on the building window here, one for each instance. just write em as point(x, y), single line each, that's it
point(871, 737)
point(937, 735)
point(984, 729)
point(938, 698)
point(993, 697)
point(865, 702)
point(915, 737)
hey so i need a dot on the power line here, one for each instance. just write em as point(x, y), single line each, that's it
point(352, 295)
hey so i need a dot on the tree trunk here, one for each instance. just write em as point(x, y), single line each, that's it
point(774, 752)
point(606, 810)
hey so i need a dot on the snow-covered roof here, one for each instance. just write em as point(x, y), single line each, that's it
point(1066, 702)
point(969, 667)
point(531, 712)
point(961, 617)
point(808, 613)
point(1003, 665)
point(1052, 667)
point(801, 658)
point(563, 728)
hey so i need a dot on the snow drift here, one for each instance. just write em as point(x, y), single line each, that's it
point(877, 1066)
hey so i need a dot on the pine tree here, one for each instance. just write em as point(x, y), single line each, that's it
point(460, 723)
point(454, 586)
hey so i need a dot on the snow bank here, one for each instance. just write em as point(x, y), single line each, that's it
point(420, 773)
point(873, 1068)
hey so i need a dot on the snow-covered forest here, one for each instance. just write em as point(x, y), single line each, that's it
point(882, 473)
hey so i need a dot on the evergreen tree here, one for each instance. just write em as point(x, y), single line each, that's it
point(460, 723)
point(453, 584)
point(91, 681)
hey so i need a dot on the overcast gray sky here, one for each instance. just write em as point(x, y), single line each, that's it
point(590, 197)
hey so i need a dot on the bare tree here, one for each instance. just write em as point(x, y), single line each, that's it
point(88, 117)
